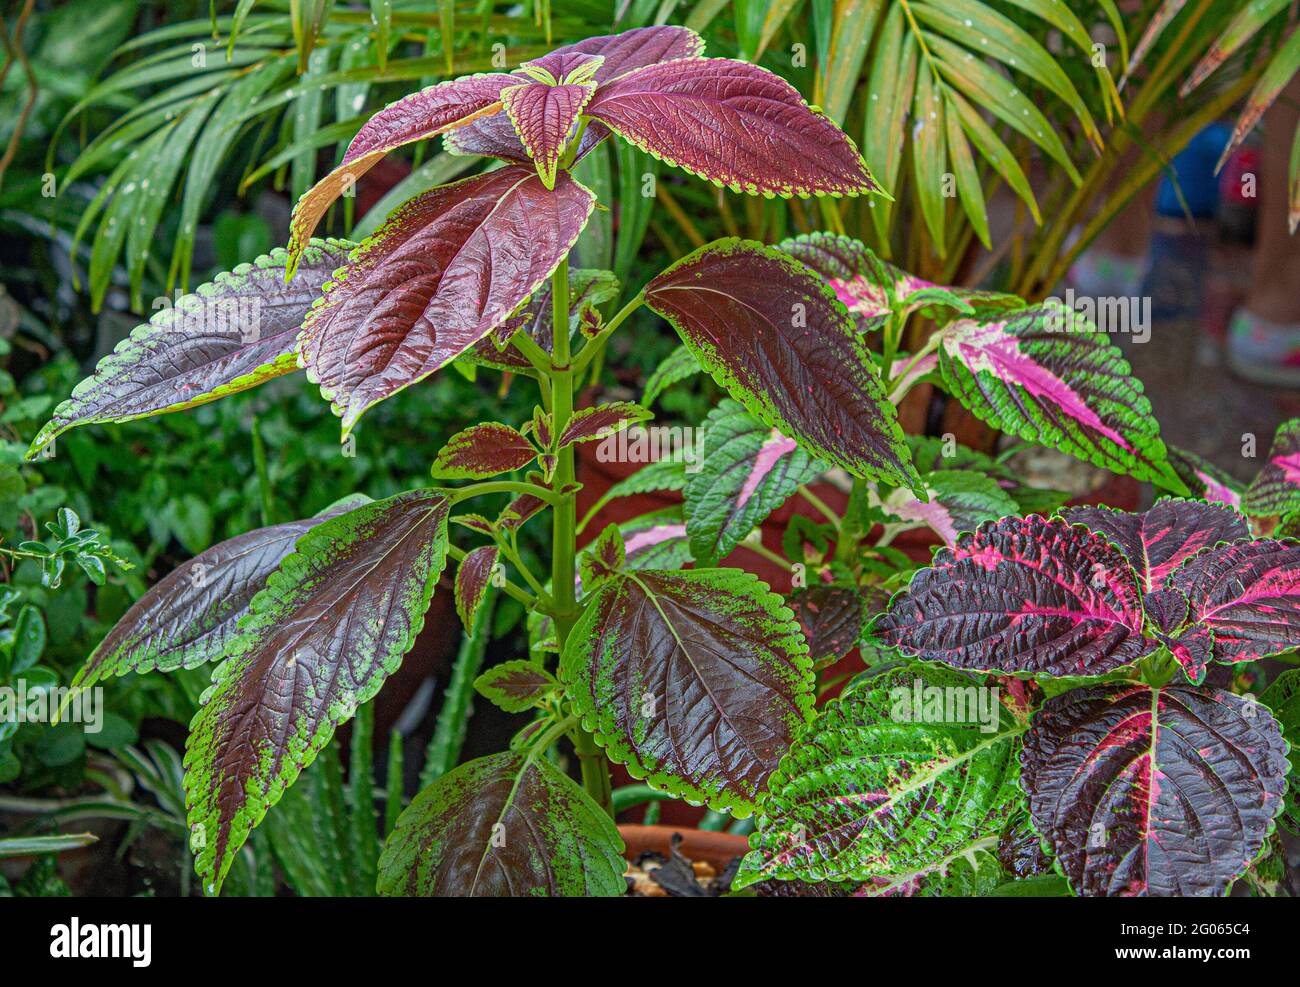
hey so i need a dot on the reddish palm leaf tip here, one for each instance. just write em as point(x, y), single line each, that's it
point(545, 117)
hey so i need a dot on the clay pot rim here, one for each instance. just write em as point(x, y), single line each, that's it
point(718, 849)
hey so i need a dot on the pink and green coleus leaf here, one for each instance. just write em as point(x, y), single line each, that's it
point(1045, 374)
point(959, 501)
point(431, 111)
point(734, 124)
point(774, 335)
point(516, 685)
point(506, 825)
point(696, 680)
point(545, 117)
point(590, 424)
point(446, 269)
point(1243, 603)
point(1158, 541)
point(889, 784)
point(1205, 480)
point(586, 288)
point(872, 288)
point(657, 540)
point(233, 333)
point(1022, 595)
point(1275, 491)
point(1282, 697)
point(473, 576)
point(748, 471)
point(483, 450)
point(189, 617)
point(1154, 792)
point(333, 622)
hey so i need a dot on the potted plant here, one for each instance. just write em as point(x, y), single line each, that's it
point(704, 680)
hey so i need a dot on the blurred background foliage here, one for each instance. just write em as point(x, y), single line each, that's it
point(146, 146)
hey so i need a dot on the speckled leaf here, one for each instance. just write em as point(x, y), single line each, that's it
point(472, 578)
point(832, 619)
point(507, 825)
point(1045, 374)
point(734, 124)
point(870, 287)
point(544, 117)
point(1276, 488)
point(749, 470)
point(1282, 697)
point(1154, 792)
point(233, 333)
point(422, 114)
point(188, 617)
point(773, 334)
point(696, 680)
point(483, 450)
point(1243, 603)
point(1158, 541)
point(516, 685)
point(590, 424)
point(445, 270)
point(586, 287)
point(333, 622)
point(959, 501)
point(893, 781)
point(1029, 595)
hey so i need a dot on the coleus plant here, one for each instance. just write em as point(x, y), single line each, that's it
point(646, 649)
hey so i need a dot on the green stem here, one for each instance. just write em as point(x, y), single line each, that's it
point(822, 508)
point(595, 770)
point(597, 342)
point(852, 531)
point(501, 486)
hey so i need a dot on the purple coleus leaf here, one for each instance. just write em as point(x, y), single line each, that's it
point(1045, 374)
point(234, 333)
point(1157, 542)
point(871, 288)
point(473, 577)
point(1275, 491)
point(333, 622)
point(734, 124)
point(1205, 480)
point(832, 619)
point(619, 53)
point(430, 111)
point(190, 615)
point(1154, 791)
point(590, 424)
point(445, 270)
point(773, 334)
point(748, 471)
point(1243, 602)
point(696, 680)
point(545, 116)
point(1022, 595)
point(516, 685)
point(483, 450)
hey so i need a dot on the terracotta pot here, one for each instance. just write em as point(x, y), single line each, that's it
point(716, 849)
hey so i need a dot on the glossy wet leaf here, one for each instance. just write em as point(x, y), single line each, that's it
point(232, 334)
point(890, 784)
point(1022, 595)
point(1044, 373)
point(507, 825)
point(443, 271)
point(333, 622)
point(748, 471)
point(696, 680)
point(1154, 792)
point(774, 335)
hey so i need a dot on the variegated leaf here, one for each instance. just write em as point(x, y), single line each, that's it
point(1275, 491)
point(473, 576)
point(1282, 697)
point(959, 501)
point(517, 685)
point(590, 424)
point(545, 117)
point(481, 451)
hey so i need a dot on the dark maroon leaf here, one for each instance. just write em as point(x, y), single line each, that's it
point(472, 578)
point(230, 335)
point(1020, 850)
point(443, 271)
point(1029, 595)
point(483, 450)
point(589, 424)
point(832, 619)
point(544, 117)
point(1154, 792)
point(734, 124)
point(520, 510)
point(772, 333)
point(430, 111)
point(1160, 540)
